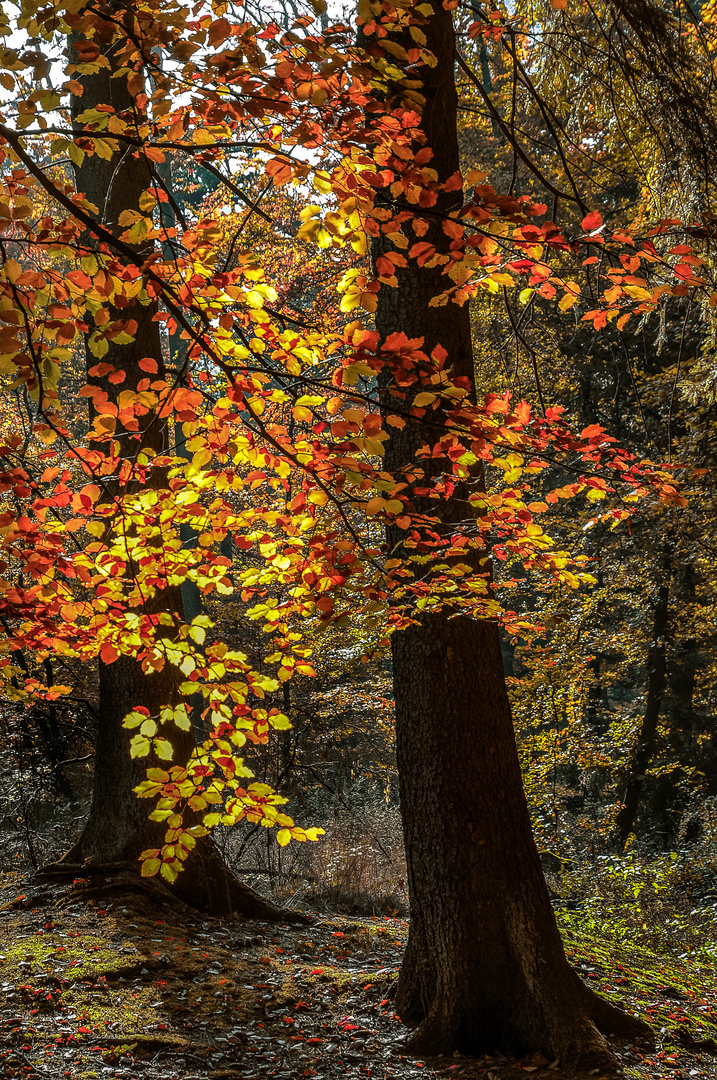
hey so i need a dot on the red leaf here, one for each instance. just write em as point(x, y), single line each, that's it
point(592, 222)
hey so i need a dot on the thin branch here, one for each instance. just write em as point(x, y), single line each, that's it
point(236, 190)
point(513, 142)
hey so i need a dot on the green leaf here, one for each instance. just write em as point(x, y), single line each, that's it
point(163, 749)
point(134, 719)
point(139, 747)
point(181, 718)
point(178, 716)
point(158, 775)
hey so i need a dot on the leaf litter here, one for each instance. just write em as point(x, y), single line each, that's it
point(120, 987)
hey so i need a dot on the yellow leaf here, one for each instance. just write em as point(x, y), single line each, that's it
point(181, 718)
point(147, 201)
point(637, 292)
point(283, 837)
point(104, 149)
point(187, 665)
point(322, 182)
point(280, 722)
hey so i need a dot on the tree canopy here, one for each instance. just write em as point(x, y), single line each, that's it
point(278, 362)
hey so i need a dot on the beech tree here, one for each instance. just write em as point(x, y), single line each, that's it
point(118, 828)
point(306, 441)
point(112, 182)
point(485, 968)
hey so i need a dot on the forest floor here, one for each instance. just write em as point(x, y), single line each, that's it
point(115, 985)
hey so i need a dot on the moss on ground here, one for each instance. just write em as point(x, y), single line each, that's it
point(128, 990)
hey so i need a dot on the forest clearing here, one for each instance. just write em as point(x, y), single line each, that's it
point(134, 989)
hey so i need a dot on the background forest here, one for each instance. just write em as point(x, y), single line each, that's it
point(212, 534)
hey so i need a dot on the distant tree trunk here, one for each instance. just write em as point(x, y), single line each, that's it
point(485, 968)
point(683, 669)
point(118, 828)
point(644, 748)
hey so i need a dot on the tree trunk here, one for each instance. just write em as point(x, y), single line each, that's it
point(656, 681)
point(485, 968)
point(118, 828)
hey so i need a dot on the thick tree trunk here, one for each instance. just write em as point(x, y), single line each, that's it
point(118, 828)
point(485, 968)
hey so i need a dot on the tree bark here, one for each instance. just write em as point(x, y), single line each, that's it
point(118, 828)
point(644, 749)
point(485, 968)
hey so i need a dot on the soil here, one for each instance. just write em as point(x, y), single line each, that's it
point(97, 982)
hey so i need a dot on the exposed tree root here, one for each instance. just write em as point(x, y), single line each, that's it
point(613, 1021)
point(125, 882)
point(707, 1045)
point(66, 869)
point(206, 885)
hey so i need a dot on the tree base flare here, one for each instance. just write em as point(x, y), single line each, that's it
point(574, 1031)
point(207, 885)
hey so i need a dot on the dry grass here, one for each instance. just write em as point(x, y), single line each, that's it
point(358, 867)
